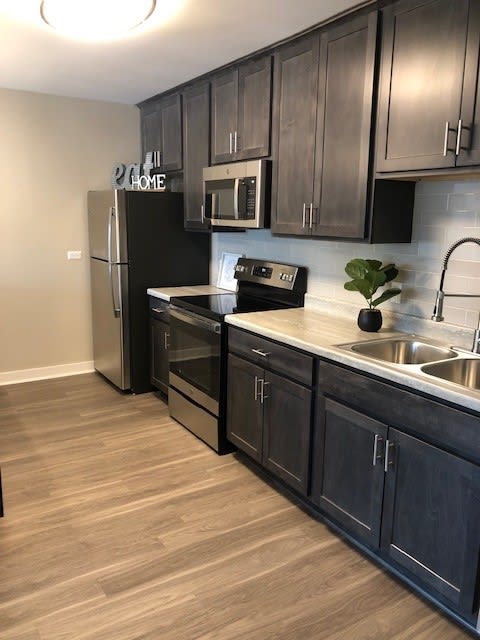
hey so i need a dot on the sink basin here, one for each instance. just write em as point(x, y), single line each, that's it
point(403, 351)
point(465, 371)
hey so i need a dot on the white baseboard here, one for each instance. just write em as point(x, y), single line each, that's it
point(43, 373)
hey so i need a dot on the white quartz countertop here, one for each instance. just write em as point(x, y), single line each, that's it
point(165, 293)
point(320, 333)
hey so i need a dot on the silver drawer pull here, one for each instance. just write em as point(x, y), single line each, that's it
point(376, 456)
point(445, 139)
point(389, 447)
point(160, 310)
point(263, 397)
point(259, 352)
point(257, 392)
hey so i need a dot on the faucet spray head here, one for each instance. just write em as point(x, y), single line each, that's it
point(438, 309)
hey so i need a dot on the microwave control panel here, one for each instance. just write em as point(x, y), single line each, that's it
point(247, 194)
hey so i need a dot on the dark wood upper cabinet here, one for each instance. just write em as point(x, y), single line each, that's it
point(422, 76)
point(344, 123)
point(294, 117)
point(468, 132)
point(241, 112)
point(323, 108)
point(161, 124)
point(431, 523)
point(196, 152)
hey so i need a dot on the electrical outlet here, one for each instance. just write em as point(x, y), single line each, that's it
point(74, 255)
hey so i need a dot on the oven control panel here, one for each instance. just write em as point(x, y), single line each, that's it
point(272, 274)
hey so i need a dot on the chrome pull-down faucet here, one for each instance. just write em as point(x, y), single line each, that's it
point(441, 295)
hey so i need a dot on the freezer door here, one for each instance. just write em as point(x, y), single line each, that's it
point(107, 226)
point(111, 354)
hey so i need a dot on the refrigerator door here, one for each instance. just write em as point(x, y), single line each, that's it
point(111, 353)
point(107, 226)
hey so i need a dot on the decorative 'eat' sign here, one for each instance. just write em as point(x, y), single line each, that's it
point(137, 176)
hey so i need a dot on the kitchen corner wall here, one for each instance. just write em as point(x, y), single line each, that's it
point(52, 151)
point(444, 212)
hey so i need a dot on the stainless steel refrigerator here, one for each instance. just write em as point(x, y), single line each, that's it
point(137, 240)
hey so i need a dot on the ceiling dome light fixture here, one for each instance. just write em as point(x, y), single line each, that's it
point(96, 19)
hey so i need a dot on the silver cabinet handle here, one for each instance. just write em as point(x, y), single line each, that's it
point(231, 143)
point(304, 215)
point(166, 336)
point(235, 143)
point(263, 397)
point(445, 140)
point(459, 138)
point(310, 224)
point(259, 352)
point(376, 456)
point(389, 446)
point(159, 311)
point(202, 213)
point(256, 391)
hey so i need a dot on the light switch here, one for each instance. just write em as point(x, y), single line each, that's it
point(74, 255)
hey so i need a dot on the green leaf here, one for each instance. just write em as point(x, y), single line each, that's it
point(356, 268)
point(361, 285)
point(390, 271)
point(386, 295)
point(376, 279)
point(375, 265)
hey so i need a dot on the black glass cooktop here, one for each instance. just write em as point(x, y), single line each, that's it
point(219, 305)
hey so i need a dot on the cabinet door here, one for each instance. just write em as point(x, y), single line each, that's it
point(196, 156)
point(244, 409)
point(468, 141)
point(151, 125)
point(294, 117)
point(159, 365)
point(286, 430)
point(423, 59)
point(171, 158)
point(254, 101)
point(347, 62)
point(224, 116)
point(348, 469)
point(431, 523)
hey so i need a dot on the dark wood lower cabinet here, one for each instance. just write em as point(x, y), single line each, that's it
point(159, 363)
point(244, 411)
point(349, 456)
point(269, 417)
point(431, 518)
point(286, 430)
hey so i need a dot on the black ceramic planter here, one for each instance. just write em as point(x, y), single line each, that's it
point(369, 319)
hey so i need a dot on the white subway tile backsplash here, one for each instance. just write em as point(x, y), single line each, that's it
point(444, 212)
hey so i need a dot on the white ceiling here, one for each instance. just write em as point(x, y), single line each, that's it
point(197, 36)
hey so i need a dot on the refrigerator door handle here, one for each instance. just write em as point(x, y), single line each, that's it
point(111, 214)
point(116, 310)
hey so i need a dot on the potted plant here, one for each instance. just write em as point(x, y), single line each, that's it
point(367, 276)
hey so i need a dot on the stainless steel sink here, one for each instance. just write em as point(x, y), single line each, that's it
point(403, 351)
point(465, 371)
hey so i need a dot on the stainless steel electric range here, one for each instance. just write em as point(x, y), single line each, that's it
point(198, 342)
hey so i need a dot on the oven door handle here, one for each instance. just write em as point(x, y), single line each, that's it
point(194, 319)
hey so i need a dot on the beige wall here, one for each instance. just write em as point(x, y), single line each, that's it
point(52, 151)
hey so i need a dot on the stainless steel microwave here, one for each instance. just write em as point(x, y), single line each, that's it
point(235, 195)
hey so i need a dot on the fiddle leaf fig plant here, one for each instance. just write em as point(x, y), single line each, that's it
point(367, 276)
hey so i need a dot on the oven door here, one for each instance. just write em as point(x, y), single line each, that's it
point(195, 354)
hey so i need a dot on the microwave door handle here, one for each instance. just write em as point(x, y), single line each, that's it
point(214, 205)
point(236, 213)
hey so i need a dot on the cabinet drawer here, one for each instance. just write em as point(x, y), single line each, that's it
point(271, 355)
point(159, 309)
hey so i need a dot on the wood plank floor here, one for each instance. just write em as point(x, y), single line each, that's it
point(121, 525)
